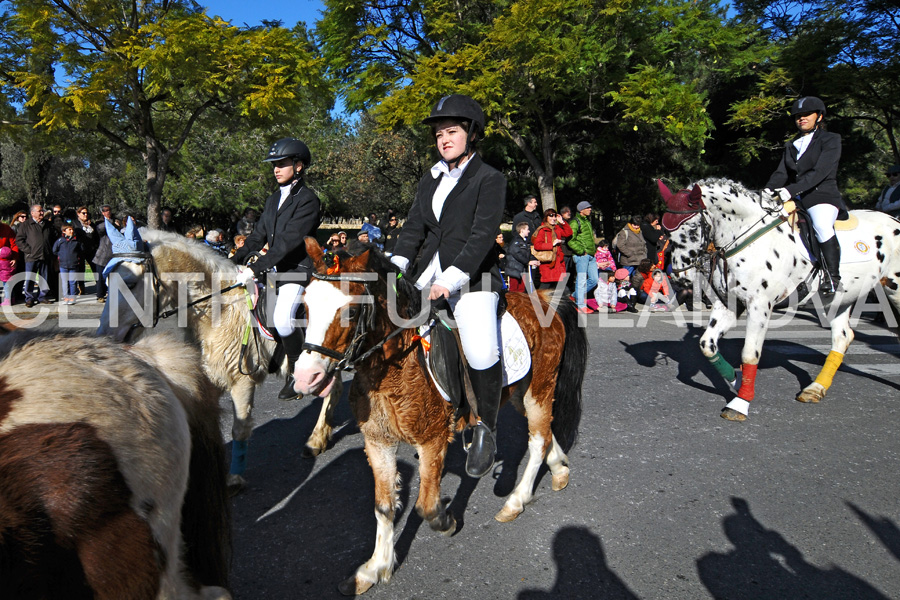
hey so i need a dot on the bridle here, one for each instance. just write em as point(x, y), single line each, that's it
point(711, 257)
point(365, 324)
point(146, 260)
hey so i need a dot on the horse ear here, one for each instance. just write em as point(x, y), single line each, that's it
point(356, 264)
point(696, 194)
point(314, 250)
point(664, 191)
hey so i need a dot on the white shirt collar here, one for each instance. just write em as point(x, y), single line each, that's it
point(441, 168)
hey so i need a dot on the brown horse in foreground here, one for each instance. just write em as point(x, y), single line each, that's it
point(394, 400)
point(112, 471)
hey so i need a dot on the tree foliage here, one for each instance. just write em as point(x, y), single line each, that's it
point(143, 75)
point(550, 73)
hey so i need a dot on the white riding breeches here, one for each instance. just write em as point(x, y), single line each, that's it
point(286, 303)
point(823, 217)
point(476, 317)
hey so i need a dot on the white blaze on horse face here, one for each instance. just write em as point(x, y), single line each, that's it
point(324, 302)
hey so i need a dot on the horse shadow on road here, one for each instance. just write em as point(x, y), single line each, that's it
point(691, 362)
point(581, 570)
point(763, 565)
point(883, 528)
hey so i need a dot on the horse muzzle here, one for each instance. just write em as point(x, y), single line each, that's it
point(312, 379)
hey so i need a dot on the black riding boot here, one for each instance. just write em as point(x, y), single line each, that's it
point(486, 384)
point(831, 254)
point(293, 345)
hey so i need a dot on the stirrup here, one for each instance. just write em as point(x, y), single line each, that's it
point(481, 452)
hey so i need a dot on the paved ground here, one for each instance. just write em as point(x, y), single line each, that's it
point(666, 499)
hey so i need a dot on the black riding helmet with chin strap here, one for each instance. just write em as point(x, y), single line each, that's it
point(807, 104)
point(291, 148)
point(457, 107)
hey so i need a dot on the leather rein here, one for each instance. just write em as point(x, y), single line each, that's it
point(365, 324)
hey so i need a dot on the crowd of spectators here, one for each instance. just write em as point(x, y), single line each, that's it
point(561, 250)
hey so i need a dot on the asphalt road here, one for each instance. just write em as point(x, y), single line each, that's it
point(666, 499)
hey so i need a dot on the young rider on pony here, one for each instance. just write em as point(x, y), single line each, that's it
point(453, 220)
point(290, 215)
point(807, 172)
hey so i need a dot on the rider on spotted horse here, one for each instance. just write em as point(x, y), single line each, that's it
point(807, 173)
point(451, 228)
point(290, 215)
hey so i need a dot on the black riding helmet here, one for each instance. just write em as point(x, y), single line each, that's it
point(289, 148)
point(463, 108)
point(807, 104)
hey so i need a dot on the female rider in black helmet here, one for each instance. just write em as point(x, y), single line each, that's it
point(807, 172)
point(291, 214)
point(453, 220)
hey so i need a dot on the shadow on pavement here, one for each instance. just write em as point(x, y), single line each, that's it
point(763, 565)
point(581, 570)
point(884, 529)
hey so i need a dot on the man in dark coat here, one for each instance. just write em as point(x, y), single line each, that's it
point(530, 214)
point(35, 241)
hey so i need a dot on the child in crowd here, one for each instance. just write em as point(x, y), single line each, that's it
point(7, 270)
point(627, 294)
point(519, 260)
point(238, 243)
point(655, 292)
point(68, 250)
point(604, 258)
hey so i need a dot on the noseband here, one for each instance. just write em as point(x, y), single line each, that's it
point(365, 324)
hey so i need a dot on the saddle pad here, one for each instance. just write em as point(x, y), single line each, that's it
point(514, 353)
point(848, 224)
point(854, 249)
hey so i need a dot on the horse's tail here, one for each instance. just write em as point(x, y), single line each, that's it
point(206, 510)
point(569, 377)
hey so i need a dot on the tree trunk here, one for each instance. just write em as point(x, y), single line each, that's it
point(156, 177)
point(543, 169)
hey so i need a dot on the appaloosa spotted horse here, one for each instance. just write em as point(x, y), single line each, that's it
point(742, 242)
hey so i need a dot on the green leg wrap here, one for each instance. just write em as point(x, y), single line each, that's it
point(722, 366)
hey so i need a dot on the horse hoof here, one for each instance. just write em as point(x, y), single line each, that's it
point(311, 452)
point(451, 527)
point(214, 593)
point(236, 484)
point(507, 514)
point(809, 397)
point(560, 481)
point(354, 587)
point(732, 415)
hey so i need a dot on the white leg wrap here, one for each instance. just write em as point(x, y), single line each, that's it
point(740, 405)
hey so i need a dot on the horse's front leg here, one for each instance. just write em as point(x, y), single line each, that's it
point(841, 336)
point(758, 313)
point(242, 400)
point(721, 321)
point(431, 467)
point(382, 456)
point(321, 433)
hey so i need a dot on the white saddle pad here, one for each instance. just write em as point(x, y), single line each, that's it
point(855, 249)
point(514, 353)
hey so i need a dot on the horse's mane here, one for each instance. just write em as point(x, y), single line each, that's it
point(735, 189)
point(184, 254)
point(407, 292)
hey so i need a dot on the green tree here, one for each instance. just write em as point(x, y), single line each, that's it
point(549, 73)
point(143, 75)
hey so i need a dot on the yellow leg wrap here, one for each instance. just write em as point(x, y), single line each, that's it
point(832, 364)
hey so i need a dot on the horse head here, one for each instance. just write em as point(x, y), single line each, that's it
point(335, 301)
point(127, 290)
point(148, 273)
point(685, 226)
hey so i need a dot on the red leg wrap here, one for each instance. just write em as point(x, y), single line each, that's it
point(748, 381)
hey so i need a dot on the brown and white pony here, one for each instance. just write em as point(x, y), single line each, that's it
point(218, 327)
point(112, 471)
point(394, 400)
